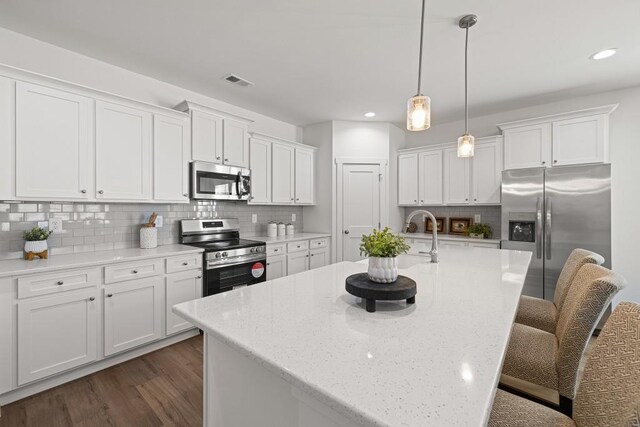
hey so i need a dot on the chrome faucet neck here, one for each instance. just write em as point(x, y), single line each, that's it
point(434, 232)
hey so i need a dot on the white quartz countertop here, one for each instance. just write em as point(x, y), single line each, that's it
point(86, 259)
point(295, 238)
point(434, 363)
point(450, 237)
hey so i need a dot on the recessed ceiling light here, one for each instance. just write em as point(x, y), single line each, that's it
point(370, 114)
point(604, 54)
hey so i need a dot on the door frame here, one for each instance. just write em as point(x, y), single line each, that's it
point(340, 163)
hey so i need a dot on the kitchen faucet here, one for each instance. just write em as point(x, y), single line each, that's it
point(434, 231)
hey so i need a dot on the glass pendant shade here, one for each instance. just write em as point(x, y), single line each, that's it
point(419, 113)
point(466, 145)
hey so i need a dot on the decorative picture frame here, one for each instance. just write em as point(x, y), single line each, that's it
point(428, 226)
point(459, 225)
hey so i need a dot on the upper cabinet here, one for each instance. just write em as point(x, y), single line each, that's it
point(486, 175)
point(304, 167)
point(572, 138)
point(260, 164)
point(7, 147)
point(430, 177)
point(283, 173)
point(456, 177)
point(170, 142)
point(216, 136)
point(408, 179)
point(123, 152)
point(52, 143)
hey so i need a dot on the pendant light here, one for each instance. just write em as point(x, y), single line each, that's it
point(466, 142)
point(419, 106)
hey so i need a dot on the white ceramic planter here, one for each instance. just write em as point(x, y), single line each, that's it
point(383, 270)
point(36, 247)
point(148, 237)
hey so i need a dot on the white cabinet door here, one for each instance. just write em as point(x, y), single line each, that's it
point(132, 313)
point(52, 143)
point(56, 334)
point(206, 137)
point(180, 287)
point(297, 262)
point(7, 145)
point(408, 179)
point(318, 258)
point(123, 152)
point(527, 146)
point(487, 173)
point(260, 165)
point(276, 266)
point(581, 140)
point(456, 178)
point(282, 170)
point(430, 177)
point(236, 143)
point(170, 159)
point(7, 334)
point(304, 171)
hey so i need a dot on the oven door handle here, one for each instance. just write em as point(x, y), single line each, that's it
point(245, 261)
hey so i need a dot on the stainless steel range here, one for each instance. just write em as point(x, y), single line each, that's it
point(229, 261)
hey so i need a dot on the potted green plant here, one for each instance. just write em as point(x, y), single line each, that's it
point(36, 242)
point(383, 248)
point(480, 231)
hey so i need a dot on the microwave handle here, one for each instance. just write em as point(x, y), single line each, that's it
point(240, 189)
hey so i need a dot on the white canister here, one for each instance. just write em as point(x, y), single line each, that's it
point(148, 238)
point(290, 230)
point(281, 229)
point(272, 229)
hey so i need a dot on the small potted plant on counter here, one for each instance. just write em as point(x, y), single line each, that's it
point(480, 231)
point(383, 248)
point(36, 243)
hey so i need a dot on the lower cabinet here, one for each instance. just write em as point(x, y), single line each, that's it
point(132, 314)
point(56, 333)
point(297, 262)
point(180, 287)
point(285, 258)
point(276, 266)
point(318, 258)
point(424, 245)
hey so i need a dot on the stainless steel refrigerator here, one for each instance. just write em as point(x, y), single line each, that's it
point(550, 212)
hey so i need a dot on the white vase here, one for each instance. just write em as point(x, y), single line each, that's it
point(383, 270)
point(148, 237)
point(36, 247)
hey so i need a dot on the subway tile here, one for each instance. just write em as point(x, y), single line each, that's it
point(24, 207)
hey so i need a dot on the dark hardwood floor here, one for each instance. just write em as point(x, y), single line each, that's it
point(163, 388)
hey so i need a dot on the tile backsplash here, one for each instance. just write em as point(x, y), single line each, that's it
point(88, 227)
point(489, 215)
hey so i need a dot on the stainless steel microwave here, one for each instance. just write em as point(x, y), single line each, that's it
point(210, 181)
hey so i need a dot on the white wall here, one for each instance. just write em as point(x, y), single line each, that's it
point(625, 170)
point(33, 55)
point(396, 213)
point(320, 217)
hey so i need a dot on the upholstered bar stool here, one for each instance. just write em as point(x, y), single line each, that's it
point(543, 314)
point(609, 392)
point(552, 360)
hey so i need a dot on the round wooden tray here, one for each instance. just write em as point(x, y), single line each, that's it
point(359, 285)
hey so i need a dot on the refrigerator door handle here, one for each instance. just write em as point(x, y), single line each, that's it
point(539, 228)
point(547, 229)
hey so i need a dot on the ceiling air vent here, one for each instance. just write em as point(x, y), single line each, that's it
point(238, 81)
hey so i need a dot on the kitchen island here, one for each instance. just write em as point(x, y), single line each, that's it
point(301, 351)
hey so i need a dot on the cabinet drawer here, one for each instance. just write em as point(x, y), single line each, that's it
point(132, 270)
point(44, 284)
point(319, 243)
point(297, 246)
point(184, 263)
point(276, 249)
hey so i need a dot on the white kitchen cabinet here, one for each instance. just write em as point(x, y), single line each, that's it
point(276, 266)
point(430, 177)
point(56, 333)
point(123, 152)
point(304, 173)
point(282, 179)
point(206, 137)
point(260, 165)
point(132, 314)
point(408, 179)
point(170, 159)
point(527, 146)
point(456, 177)
point(52, 143)
point(580, 140)
point(7, 145)
point(235, 143)
point(486, 177)
point(297, 262)
point(7, 333)
point(180, 287)
point(318, 258)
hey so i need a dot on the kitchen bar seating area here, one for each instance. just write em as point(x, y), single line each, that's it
point(317, 214)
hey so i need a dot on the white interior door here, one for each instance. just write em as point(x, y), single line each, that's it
point(360, 206)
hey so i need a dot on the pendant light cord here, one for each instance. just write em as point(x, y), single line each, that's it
point(466, 104)
point(420, 56)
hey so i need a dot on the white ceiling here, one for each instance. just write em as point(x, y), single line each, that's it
point(316, 60)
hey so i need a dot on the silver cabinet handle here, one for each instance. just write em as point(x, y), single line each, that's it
point(346, 231)
point(544, 163)
point(185, 194)
point(226, 160)
point(109, 295)
point(307, 256)
point(292, 199)
point(100, 192)
point(83, 191)
point(217, 157)
point(198, 277)
point(555, 161)
point(297, 198)
point(135, 271)
point(60, 282)
point(421, 201)
point(466, 200)
point(185, 263)
point(92, 298)
point(539, 228)
point(547, 229)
